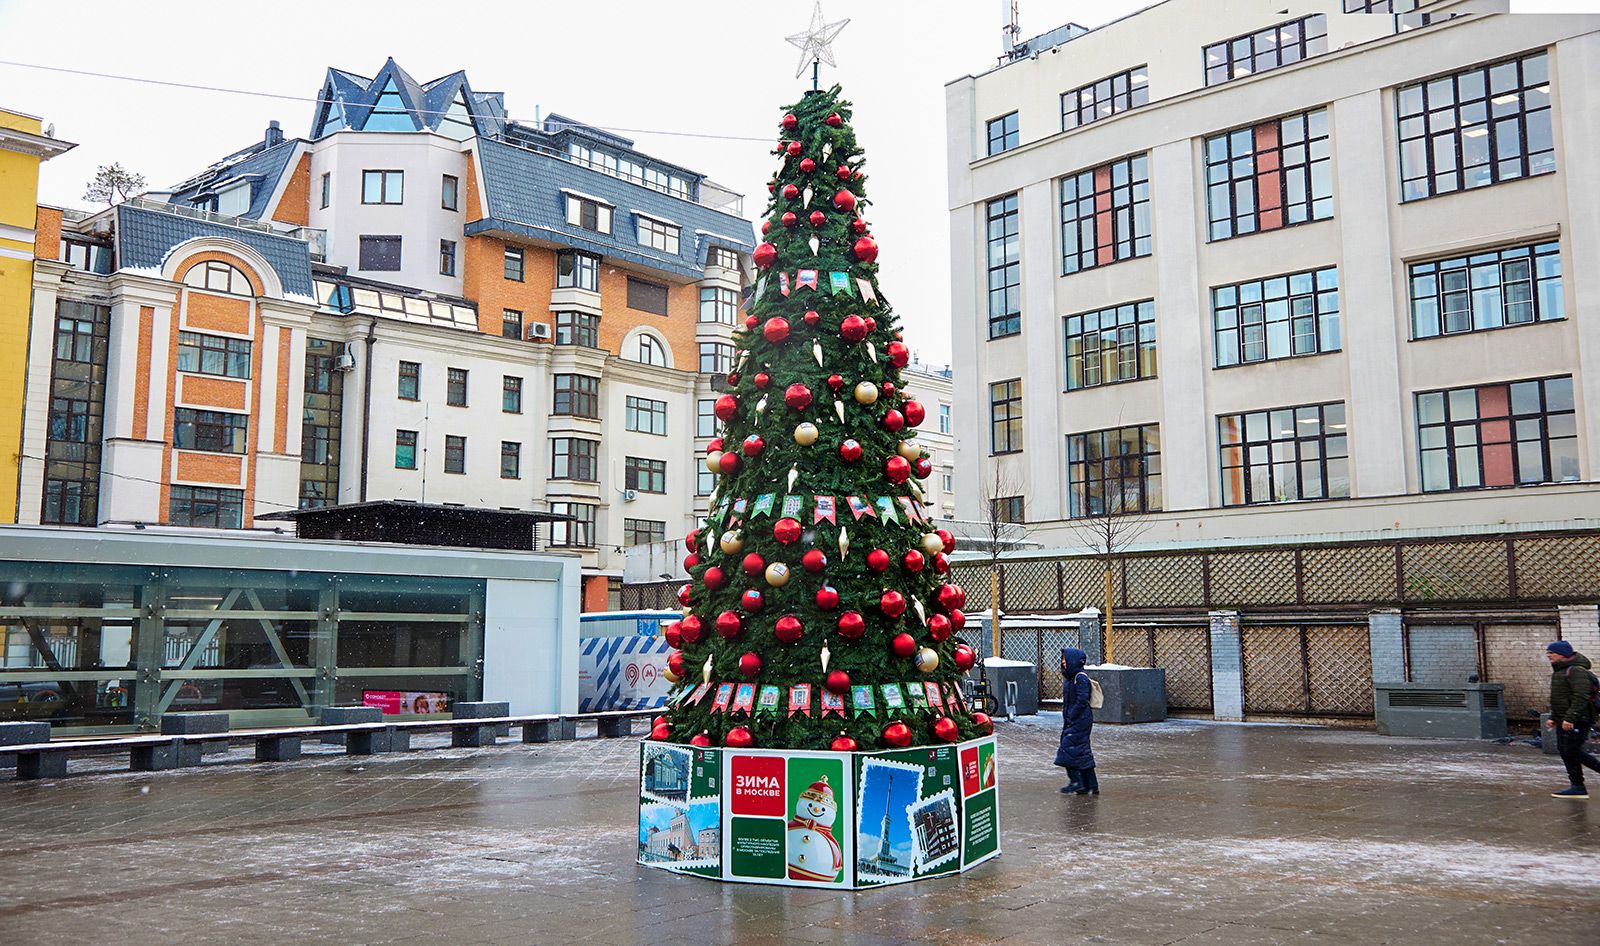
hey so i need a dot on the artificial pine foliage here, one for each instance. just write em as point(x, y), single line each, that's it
point(815, 412)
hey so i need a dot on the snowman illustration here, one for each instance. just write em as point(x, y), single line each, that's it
point(813, 852)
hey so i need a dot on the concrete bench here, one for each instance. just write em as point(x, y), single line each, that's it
point(188, 752)
point(363, 741)
point(475, 736)
point(548, 728)
point(20, 734)
point(49, 759)
point(614, 723)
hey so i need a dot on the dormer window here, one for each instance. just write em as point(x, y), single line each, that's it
point(588, 213)
point(234, 201)
point(457, 122)
point(658, 234)
point(390, 113)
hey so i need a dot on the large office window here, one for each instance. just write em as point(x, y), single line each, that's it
point(577, 271)
point(455, 454)
point(515, 263)
point(574, 458)
point(1114, 471)
point(511, 395)
point(1509, 434)
point(382, 187)
point(647, 296)
point(406, 384)
point(71, 419)
point(578, 532)
point(206, 506)
point(1002, 133)
point(1516, 286)
point(212, 431)
point(643, 531)
point(321, 423)
point(576, 395)
point(1106, 97)
point(718, 304)
point(1269, 175)
point(645, 475)
point(1267, 49)
point(1279, 317)
point(1284, 455)
point(716, 357)
point(588, 214)
point(1005, 267)
point(1105, 214)
point(1476, 128)
point(510, 460)
point(510, 323)
point(1005, 416)
point(646, 415)
point(213, 354)
point(1111, 345)
point(705, 418)
point(455, 387)
point(578, 328)
point(658, 234)
point(379, 253)
point(405, 450)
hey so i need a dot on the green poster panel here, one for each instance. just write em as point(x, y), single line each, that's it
point(980, 791)
point(786, 817)
point(907, 815)
point(680, 809)
point(755, 849)
point(815, 844)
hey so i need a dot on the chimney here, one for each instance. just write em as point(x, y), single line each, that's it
point(274, 134)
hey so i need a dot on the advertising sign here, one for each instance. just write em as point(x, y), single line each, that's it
point(907, 819)
point(787, 818)
point(620, 673)
point(394, 702)
point(680, 809)
point(980, 792)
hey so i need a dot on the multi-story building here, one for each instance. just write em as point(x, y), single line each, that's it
point(1278, 272)
point(24, 145)
point(934, 385)
point(421, 300)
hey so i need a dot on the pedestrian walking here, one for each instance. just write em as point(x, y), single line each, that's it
point(1077, 719)
point(1572, 713)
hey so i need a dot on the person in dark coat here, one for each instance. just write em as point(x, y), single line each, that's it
point(1077, 719)
point(1572, 713)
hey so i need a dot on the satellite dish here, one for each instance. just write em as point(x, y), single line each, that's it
point(50, 130)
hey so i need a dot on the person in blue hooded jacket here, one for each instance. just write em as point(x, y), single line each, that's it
point(1077, 719)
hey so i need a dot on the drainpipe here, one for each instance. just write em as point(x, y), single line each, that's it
point(366, 405)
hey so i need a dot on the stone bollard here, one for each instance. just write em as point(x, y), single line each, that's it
point(474, 736)
point(21, 734)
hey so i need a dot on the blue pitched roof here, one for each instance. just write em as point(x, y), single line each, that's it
point(267, 165)
point(426, 102)
point(523, 190)
point(145, 237)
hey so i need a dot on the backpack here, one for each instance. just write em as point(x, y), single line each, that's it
point(1594, 689)
point(1097, 696)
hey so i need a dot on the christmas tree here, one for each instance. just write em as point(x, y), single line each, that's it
point(818, 614)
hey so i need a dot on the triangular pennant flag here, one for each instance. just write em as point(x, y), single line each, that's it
point(724, 694)
point(744, 698)
point(767, 703)
point(700, 692)
point(800, 699)
point(832, 703)
point(865, 285)
point(934, 700)
point(783, 283)
point(894, 698)
point(917, 697)
point(839, 282)
point(806, 279)
point(911, 514)
point(859, 507)
point(886, 506)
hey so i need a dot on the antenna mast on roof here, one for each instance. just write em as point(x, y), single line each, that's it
point(1011, 31)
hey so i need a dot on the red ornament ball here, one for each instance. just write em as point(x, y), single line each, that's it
point(964, 657)
point(751, 321)
point(833, 120)
point(786, 530)
point(765, 255)
point(794, 148)
point(939, 627)
point(788, 629)
point(897, 469)
point(672, 634)
point(903, 645)
point(858, 226)
point(842, 172)
point(951, 597)
point(738, 738)
point(915, 413)
point(894, 420)
point(797, 396)
point(714, 446)
point(899, 354)
point(750, 664)
point(818, 218)
point(714, 578)
point(690, 630)
point(913, 561)
point(790, 191)
point(701, 739)
point(814, 561)
point(692, 540)
point(789, 218)
point(751, 601)
point(844, 744)
point(761, 380)
point(896, 734)
point(729, 624)
point(941, 563)
point(790, 121)
point(923, 468)
point(827, 598)
point(837, 682)
point(685, 595)
point(866, 249)
point(727, 406)
point(958, 619)
point(892, 603)
point(948, 539)
point(754, 564)
point(812, 317)
point(982, 721)
point(766, 226)
point(807, 165)
point(852, 625)
point(844, 200)
point(675, 663)
point(872, 324)
point(853, 328)
point(729, 463)
point(878, 560)
point(776, 329)
point(888, 388)
point(835, 381)
point(691, 560)
point(850, 451)
point(753, 445)
point(661, 732)
point(945, 728)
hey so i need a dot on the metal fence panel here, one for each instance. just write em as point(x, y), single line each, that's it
point(1266, 576)
point(1031, 586)
point(1185, 654)
point(1274, 670)
point(1348, 574)
point(1166, 581)
point(1339, 662)
point(1307, 670)
point(1455, 571)
point(1558, 566)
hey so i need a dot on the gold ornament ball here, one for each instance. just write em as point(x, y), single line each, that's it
point(732, 542)
point(927, 660)
point(866, 393)
point(714, 461)
point(671, 677)
point(932, 544)
point(806, 434)
point(910, 449)
point(777, 574)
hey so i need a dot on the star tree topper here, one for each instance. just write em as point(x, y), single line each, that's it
point(816, 43)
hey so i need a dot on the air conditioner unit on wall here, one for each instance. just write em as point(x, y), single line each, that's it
point(629, 495)
point(538, 331)
point(345, 362)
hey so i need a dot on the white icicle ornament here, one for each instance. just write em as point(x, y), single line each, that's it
point(824, 655)
point(816, 351)
point(794, 474)
point(844, 542)
point(921, 612)
point(872, 351)
point(761, 406)
point(705, 672)
point(838, 408)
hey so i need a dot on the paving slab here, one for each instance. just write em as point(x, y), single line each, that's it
point(1204, 834)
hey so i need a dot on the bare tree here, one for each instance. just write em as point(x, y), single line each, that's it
point(1003, 528)
point(1120, 522)
point(113, 183)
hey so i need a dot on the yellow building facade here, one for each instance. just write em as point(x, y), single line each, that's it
point(23, 147)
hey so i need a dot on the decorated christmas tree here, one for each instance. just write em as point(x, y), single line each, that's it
point(818, 613)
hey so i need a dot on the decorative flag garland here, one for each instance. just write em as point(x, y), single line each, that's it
point(800, 699)
point(744, 698)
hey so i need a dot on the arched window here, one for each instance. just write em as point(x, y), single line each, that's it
point(651, 351)
point(218, 277)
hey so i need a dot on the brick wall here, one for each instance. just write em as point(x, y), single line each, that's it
point(1227, 675)
point(1580, 624)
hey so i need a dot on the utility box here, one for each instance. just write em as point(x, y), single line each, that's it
point(1132, 694)
point(1467, 711)
point(1020, 672)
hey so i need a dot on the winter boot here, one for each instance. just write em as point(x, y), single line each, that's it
point(1576, 791)
point(1074, 782)
point(1091, 782)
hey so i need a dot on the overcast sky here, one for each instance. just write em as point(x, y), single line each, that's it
point(712, 67)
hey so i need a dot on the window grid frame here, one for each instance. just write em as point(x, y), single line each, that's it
point(1005, 416)
point(455, 454)
point(1304, 42)
point(1323, 322)
point(1008, 136)
point(654, 412)
point(1081, 487)
point(644, 474)
point(1127, 94)
point(1536, 300)
point(1512, 441)
point(1005, 213)
point(1117, 221)
point(575, 458)
point(1144, 322)
point(1225, 171)
point(575, 395)
point(1296, 441)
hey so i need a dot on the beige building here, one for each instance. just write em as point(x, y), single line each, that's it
point(1281, 270)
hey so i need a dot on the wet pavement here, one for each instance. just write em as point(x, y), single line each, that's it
point(1205, 834)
